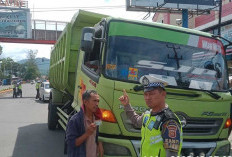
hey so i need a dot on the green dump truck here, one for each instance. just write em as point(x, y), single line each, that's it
point(111, 54)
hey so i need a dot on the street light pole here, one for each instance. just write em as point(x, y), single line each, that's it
point(1, 66)
point(185, 18)
point(4, 70)
point(11, 68)
point(219, 17)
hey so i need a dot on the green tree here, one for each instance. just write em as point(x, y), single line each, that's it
point(32, 70)
point(7, 67)
point(22, 70)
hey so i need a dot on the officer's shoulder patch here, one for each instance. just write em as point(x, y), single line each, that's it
point(171, 134)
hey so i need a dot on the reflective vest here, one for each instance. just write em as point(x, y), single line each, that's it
point(152, 141)
point(20, 86)
point(37, 85)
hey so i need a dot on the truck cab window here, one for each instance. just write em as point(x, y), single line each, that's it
point(92, 58)
point(128, 59)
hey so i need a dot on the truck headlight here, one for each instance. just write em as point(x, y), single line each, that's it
point(115, 150)
point(223, 150)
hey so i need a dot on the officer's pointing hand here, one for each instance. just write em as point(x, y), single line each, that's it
point(124, 98)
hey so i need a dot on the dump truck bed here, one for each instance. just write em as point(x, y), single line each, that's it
point(64, 54)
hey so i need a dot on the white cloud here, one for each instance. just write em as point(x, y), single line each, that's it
point(19, 51)
point(118, 9)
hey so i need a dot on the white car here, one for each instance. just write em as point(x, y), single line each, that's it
point(44, 91)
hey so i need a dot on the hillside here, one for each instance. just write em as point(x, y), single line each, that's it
point(42, 63)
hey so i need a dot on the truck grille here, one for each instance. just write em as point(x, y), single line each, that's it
point(200, 126)
point(193, 126)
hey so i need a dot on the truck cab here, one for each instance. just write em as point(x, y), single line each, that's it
point(115, 53)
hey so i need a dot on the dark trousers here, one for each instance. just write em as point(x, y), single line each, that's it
point(37, 94)
point(14, 93)
point(20, 92)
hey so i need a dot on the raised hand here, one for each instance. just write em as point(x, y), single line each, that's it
point(92, 127)
point(124, 98)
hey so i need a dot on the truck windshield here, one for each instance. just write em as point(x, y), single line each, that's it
point(129, 58)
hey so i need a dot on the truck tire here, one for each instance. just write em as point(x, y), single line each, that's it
point(52, 116)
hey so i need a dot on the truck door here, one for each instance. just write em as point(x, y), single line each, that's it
point(89, 70)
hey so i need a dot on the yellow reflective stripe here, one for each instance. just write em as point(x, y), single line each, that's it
point(156, 139)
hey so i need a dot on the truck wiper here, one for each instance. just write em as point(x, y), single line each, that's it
point(213, 95)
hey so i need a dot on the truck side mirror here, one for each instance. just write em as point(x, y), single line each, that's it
point(87, 41)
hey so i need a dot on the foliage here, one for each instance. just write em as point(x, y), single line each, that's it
point(8, 68)
point(42, 63)
point(26, 71)
point(32, 70)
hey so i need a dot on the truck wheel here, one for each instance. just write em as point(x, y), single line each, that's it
point(52, 116)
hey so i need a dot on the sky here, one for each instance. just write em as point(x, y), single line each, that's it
point(60, 10)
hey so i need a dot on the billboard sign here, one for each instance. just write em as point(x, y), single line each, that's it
point(15, 24)
point(193, 2)
point(170, 5)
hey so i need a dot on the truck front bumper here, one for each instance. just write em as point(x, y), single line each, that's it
point(217, 148)
point(124, 147)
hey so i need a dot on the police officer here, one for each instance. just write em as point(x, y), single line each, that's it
point(37, 89)
point(20, 88)
point(160, 128)
point(14, 90)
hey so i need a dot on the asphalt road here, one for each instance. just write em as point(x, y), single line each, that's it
point(23, 127)
point(23, 123)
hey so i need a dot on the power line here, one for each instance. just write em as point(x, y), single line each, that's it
point(75, 8)
point(83, 7)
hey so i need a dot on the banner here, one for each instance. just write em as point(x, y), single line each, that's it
point(15, 24)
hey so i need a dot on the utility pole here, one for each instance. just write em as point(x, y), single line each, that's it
point(219, 17)
point(0, 50)
point(1, 67)
point(4, 70)
point(185, 18)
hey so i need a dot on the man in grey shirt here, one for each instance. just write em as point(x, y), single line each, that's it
point(161, 130)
